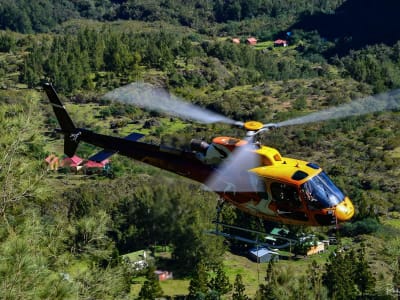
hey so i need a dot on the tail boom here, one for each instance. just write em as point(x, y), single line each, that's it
point(180, 162)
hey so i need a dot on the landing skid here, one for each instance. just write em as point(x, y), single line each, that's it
point(260, 236)
point(258, 241)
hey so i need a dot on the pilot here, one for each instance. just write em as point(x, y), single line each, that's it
point(312, 203)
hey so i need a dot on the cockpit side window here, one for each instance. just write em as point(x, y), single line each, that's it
point(311, 201)
point(321, 192)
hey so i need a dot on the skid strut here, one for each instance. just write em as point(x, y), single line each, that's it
point(260, 236)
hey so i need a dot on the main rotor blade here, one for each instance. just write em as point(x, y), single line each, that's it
point(150, 97)
point(380, 102)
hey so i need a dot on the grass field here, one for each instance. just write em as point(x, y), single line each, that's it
point(253, 274)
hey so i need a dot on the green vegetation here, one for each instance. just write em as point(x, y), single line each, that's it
point(25, 16)
point(62, 236)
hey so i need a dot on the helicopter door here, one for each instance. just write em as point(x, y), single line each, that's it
point(287, 201)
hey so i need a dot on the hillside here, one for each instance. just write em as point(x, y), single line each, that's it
point(64, 234)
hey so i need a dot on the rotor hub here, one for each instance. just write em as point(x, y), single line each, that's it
point(253, 125)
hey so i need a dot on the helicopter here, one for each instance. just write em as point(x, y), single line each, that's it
point(253, 177)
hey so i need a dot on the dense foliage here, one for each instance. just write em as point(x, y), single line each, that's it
point(77, 61)
point(40, 16)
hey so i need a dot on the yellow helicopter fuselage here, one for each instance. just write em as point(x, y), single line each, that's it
point(290, 191)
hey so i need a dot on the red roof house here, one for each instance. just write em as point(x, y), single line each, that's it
point(52, 162)
point(94, 164)
point(251, 41)
point(236, 41)
point(92, 167)
point(163, 275)
point(74, 163)
point(280, 43)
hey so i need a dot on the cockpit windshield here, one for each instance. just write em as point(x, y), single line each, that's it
point(321, 190)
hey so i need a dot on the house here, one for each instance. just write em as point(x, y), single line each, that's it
point(280, 43)
point(52, 162)
point(72, 163)
point(92, 167)
point(316, 249)
point(163, 275)
point(261, 255)
point(236, 40)
point(251, 41)
point(137, 260)
point(326, 243)
point(280, 232)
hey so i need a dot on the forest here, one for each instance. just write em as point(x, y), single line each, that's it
point(66, 235)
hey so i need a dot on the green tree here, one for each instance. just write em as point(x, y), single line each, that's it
point(339, 276)
point(300, 103)
point(364, 279)
point(14, 18)
point(396, 275)
point(19, 179)
point(220, 282)
point(298, 290)
point(151, 288)
point(89, 237)
point(117, 56)
point(267, 290)
point(32, 69)
point(198, 287)
point(186, 49)
point(7, 42)
point(239, 289)
point(97, 282)
point(314, 275)
point(26, 269)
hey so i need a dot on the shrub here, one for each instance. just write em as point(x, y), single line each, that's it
point(365, 226)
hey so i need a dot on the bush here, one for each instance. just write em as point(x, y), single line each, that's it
point(7, 42)
point(365, 226)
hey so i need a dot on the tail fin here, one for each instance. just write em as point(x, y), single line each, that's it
point(63, 118)
point(71, 136)
point(70, 145)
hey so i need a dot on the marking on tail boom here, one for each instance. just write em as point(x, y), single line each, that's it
point(57, 105)
point(75, 136)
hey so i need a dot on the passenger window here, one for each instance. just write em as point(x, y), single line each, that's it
point(287, 201)
point(285, 195)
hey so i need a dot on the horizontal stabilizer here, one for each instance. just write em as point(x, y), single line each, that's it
point(134, 136)
point(104, 154)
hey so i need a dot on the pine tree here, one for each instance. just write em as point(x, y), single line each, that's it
point(267, 291)
point(7, 42)
point(198, 287)
point(314, 274)
point(239, 289)
point(220, 283)
point(298, 291)
point(339, 276)
point(396, 275)
point(364, 279)
point(151, 288)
